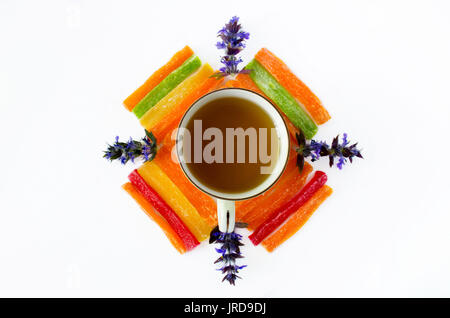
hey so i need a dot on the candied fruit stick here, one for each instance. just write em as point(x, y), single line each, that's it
point(179, 58)
point(167, 84)
point(173, 237)
point(277, 93)
point(284, 212)
point(169, 192)
point(163, 108)
point(244, 81)
point(245, 206)
point(162, 125)
point(205, 205)
point(230, 83)
point(257, 216)
point(297, 220)
point(289, 185)
point(293, 84)
point(164, 210)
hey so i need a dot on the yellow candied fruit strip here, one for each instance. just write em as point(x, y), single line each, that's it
point(176, 96)
point(170, 193)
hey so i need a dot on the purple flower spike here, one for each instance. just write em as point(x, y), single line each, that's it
point(132, 149)
point(229, 251)
point(233, 38)
point(318, 149)
point(221, 45)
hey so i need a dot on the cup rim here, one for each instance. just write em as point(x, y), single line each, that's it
point(183, 168)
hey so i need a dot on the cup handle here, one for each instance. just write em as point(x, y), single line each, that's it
point(225, 215)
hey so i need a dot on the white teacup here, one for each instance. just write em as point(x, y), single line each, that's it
point(226, 201)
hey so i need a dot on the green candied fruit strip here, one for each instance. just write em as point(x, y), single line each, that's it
point(169, 83)
point(270, 86)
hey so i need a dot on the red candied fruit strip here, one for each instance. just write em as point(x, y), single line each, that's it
point(283, 213)
point(164, 210)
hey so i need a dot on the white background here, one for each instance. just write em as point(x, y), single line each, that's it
point(382, 69)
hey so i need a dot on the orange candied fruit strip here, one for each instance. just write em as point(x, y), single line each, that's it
point(177, 59)
point(205, 205)
point(245, 206)
point(155, 216)
point(171, 120)
point(230, 83)
point(293, 84)
point(244, 81)
point(292, 184)
point(297, 220)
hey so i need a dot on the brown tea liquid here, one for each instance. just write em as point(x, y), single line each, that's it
point(236, 177)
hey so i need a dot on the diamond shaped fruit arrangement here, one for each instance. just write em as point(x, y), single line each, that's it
point(186, 215)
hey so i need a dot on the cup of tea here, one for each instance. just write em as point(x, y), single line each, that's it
point(232, 144)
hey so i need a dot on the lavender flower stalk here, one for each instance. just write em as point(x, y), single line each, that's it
point(318, 149)
point(230, 252)
point(233, 42)
point(129, 151)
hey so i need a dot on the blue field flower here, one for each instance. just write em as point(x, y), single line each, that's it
point(233, 42)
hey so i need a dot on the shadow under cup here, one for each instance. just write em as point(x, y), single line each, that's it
point(242, 106)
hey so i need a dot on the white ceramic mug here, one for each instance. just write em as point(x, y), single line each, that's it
point(226, 201)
